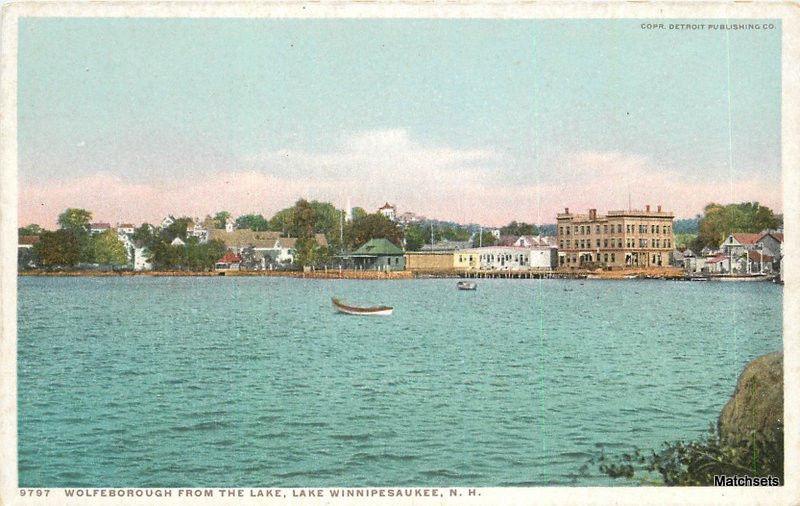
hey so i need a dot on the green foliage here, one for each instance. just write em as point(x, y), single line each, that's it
point(305, 252)
point(684, 240)
point(719, 221)
point(59, 248)
point(303, 220)
point(255, 222)
point(371, 226)
point(32, 229)
point(686, 226)
point(484, 238)
point(106, 248)
point(193, 256)
point(75, 219)
point(176, 229)
point(548, 229)
point(27, 258)
point(221, 218)
point(282, 220)
point(415, 237)
point(518, 229)
point(144, 235)
point(697, 462)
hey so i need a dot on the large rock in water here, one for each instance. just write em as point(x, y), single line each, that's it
point(757, 403)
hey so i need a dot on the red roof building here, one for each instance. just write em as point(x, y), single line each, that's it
point(229, 258)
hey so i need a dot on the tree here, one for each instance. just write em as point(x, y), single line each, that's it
point(415, 238)
point(221, 218)
point(518, 229)
point(282, 220)
point(26, 258)
point(484, 238)
point(75, 219)
point(59, 248)
point(108, 249)
point(144, 235)
point(32, 229)
point(176, 229)
point(255, 222)
point(303, 220)
point(719, 221)
point(372, 226)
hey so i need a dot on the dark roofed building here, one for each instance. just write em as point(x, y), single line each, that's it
point(378, 254)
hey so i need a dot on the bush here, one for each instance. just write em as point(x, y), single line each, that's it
point(697, 462)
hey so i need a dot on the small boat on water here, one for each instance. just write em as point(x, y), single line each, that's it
point(466, 285)
point(375, 310)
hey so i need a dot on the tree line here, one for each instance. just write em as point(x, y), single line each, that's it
point(72, 243)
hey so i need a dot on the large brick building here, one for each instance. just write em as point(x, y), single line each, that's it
point(618, 239)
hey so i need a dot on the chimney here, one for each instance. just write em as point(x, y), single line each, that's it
point(566, 210)
point(659, 208)
point(647, 208)
point(592, 214)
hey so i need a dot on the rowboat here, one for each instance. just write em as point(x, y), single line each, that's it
point(466, 285)
point(375, 310)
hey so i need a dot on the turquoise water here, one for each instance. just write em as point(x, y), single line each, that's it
point(256, 382)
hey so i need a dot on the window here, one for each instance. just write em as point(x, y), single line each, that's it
point(657, 232)
point(605, 229)
point(597, 229)
point(560, 230)
point(619, 228)
point(605, 258)
point(605, 243)
point(612, 258)
point(628, 228)
point(597, 243)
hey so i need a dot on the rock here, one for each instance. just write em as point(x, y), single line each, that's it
point(757, 402)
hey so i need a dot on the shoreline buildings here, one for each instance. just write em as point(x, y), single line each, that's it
point(618, 239)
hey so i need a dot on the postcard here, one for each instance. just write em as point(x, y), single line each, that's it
point(399, 253)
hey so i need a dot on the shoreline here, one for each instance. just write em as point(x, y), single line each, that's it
point(626, 275)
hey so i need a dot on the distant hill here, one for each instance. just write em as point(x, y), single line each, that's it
point(686, 226)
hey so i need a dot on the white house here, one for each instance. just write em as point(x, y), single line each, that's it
point(515, 258)
point(98, 228)
point(141, 259)
point(196, 229)
point(178, 242)
point(125, 228)
point(389, 211)
point(169, 220)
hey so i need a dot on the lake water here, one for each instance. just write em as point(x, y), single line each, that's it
point(255, 382)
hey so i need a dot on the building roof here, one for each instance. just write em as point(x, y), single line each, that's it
point(386, 206)
point(447, 246)
point(28, 240)
point(378, 247)
point(126, 225)
point(755, 256)
point(537, 240)
point(743, 238)
point(229, 258)
point(243, 238)
point(775, 235)
point(507, 240)
point(99, 225)
point(717, 259)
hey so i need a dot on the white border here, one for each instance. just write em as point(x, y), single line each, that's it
point(788, 12)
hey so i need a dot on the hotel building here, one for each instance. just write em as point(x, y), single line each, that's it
point(618, 239)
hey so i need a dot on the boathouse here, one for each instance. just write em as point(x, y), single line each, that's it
point(378, 254)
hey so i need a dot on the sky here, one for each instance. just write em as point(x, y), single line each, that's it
point(475, 121)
